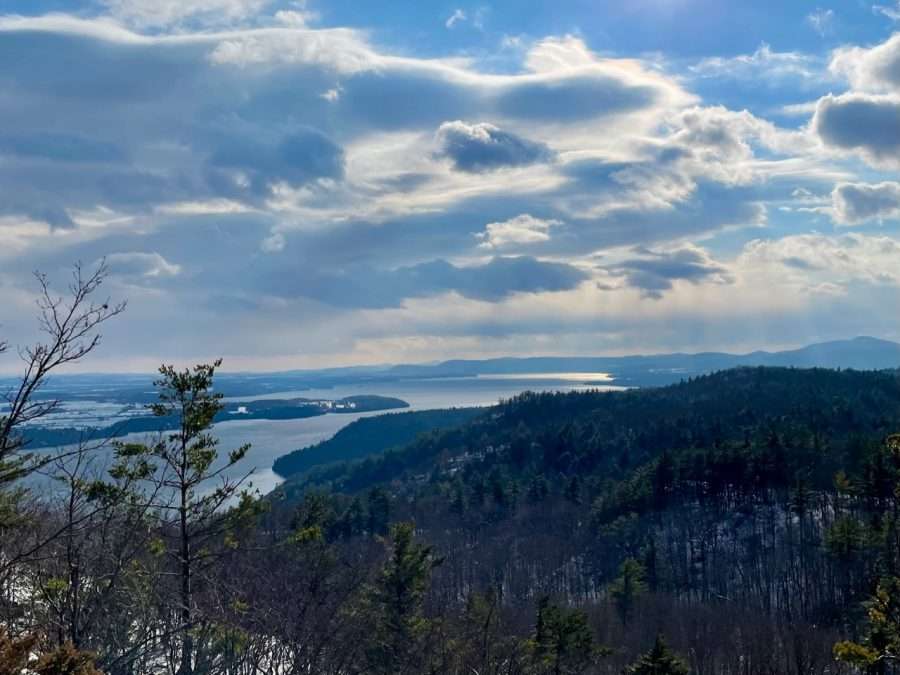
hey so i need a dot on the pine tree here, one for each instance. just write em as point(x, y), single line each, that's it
point(354, 520)
point(629, 585)
point(187, 464)
point(563, 642)
point(660, 660)
point(538, 490)
point(399, 627)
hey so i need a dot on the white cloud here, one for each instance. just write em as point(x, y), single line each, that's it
point(821, 21)
point(808, 261)
point(870, 70)
point(295, 18)
point(458, 16)
point(332, 94)
point(221, 144)
point(893, 13)
point(140, 264)
point(167, 13)
point(523, 229)
point(763, 63)
point(560, 54)
point(274, 243)
point(799, 109)
point(201, 208)
point(341, 49)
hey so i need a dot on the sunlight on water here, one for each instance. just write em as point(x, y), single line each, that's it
point(562, 377)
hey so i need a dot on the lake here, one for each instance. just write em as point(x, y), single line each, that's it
point(270, 439)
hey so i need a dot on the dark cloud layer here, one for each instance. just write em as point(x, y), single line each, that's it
point(574, 99)
point(363, 286)
point(655, 271)
point(856, 203)
point(302, 156)
point(870, 124)
point(484, 147)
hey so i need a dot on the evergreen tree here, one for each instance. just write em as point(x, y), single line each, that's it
point(398, 626)
point(881, 645)
point(354, 520)
point(187, 464)
point(458, 503)
point(563, 643)
point(379, 510)
point(481, 624)
point(628, 586)
point(660, 660)
point(497, 484)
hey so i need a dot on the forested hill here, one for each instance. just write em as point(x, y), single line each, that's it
point(371, 435)
point(750, 502)
point(810, 421)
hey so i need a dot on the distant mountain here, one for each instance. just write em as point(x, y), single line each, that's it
point(862, 353)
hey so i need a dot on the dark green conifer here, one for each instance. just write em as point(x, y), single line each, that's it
point(660, 660)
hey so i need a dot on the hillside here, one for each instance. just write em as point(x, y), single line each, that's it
point(721, 490)
point(371, 435)
point(613, 432)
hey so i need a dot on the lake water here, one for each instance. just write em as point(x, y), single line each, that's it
point(270, 439)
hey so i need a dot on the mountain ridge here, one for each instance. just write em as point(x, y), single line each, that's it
point(860, 353)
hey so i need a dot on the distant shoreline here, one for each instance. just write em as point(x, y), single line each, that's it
point(238, 411)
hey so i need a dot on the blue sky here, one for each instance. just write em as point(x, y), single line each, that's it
point(301, 184)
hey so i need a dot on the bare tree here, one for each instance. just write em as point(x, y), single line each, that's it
point(70, 325)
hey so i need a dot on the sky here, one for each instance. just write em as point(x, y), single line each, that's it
point(295, 184)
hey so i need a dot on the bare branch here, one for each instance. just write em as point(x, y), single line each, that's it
point(71, 326)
